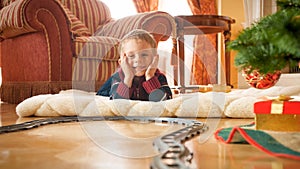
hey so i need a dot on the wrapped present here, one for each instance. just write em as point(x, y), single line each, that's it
point(280, 114)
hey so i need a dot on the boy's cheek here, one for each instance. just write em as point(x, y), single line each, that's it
point(134, 65)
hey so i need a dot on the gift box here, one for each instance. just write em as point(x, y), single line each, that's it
point(277, 115)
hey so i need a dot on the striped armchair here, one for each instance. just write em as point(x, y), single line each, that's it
point(52, 45)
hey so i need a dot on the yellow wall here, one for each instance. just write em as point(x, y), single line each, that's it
point(235, 10)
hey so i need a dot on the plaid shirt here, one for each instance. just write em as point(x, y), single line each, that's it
point(154, 89)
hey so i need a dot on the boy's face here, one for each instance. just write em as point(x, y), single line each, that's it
point(139, 55)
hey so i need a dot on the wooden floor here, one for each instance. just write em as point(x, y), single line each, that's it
point(120, 145)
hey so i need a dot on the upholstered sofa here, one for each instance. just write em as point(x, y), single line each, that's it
point(52, 45)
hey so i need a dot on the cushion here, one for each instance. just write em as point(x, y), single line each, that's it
point(91, 13)
point(11, 15)
point(97, 47)
point(76, 26)
point(6, 2)
point(92, 54)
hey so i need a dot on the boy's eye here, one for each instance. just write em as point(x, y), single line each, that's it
point(145, 54)
point(131, 56)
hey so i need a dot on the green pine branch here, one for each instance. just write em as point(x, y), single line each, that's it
point(272, 42)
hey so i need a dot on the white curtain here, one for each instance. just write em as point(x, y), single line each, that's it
point(122, 9)
point(255, 9)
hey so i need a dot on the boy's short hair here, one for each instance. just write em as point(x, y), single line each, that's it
point(138, 34)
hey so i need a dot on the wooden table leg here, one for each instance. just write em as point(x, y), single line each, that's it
point(227, 35)
point(180, 42)
point(174, 61)
point(181, 61)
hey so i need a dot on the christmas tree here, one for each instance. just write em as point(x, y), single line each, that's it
point(271, 43)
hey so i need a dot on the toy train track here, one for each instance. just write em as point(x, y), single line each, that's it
point(173, 153)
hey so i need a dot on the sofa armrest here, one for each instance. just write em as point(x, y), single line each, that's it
point(42, 30)
point(26, 16)
point(161, 24)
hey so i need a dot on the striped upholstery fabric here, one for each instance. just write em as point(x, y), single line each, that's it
point(118, 30)
point(6, 2)
point(76, 26)
point(93, 69)
point(85, 16)
point(97, 47)
point(11, 16)
point(90, 12)
point(97, 58)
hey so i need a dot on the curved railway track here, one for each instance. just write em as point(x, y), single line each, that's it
point(173, 153)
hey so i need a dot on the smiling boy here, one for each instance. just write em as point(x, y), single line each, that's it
point(138, 77)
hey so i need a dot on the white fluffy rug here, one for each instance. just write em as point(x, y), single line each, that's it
point(236, 104)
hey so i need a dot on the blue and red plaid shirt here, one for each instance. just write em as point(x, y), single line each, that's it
point(154, 89)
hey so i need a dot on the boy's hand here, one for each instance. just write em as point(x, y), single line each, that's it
point(152, 68)
point(127, 69)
